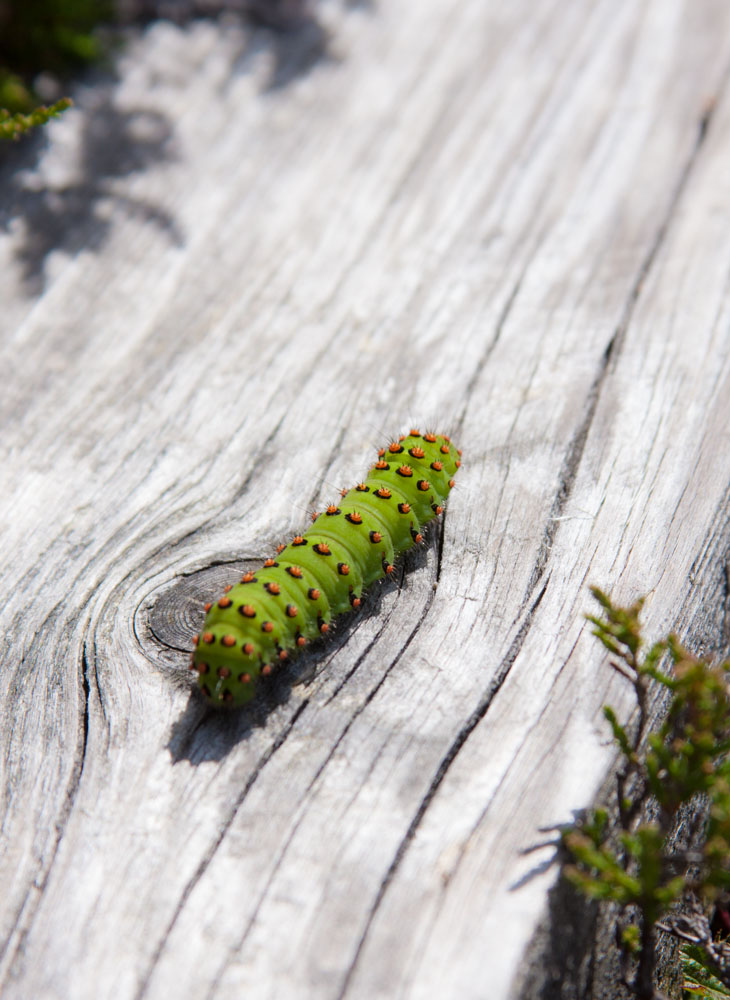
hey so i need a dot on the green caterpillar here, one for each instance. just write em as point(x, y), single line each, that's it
point(272, 613)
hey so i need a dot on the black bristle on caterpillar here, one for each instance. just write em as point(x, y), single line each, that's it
point(276, 610)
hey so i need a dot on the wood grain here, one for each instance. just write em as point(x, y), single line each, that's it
point(234, 270)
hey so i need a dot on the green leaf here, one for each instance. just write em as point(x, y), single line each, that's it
point(699, 979)
point(619, 733)
point(631, 938)
point(12, 126)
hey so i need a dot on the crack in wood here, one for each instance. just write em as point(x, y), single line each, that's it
point(463, 735)
point(613, 349)
point(36, 887)
point(210, 854)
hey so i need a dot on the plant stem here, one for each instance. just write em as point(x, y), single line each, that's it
point(644, 983)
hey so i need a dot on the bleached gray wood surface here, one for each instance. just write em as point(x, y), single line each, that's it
point(232, 273)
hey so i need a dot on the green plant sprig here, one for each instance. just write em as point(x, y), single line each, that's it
point(12, 126)
point(632, 862)
point(51, 37)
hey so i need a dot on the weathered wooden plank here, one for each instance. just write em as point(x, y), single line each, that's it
point(506, 224)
